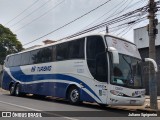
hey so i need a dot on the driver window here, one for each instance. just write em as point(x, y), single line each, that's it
point(96, 58)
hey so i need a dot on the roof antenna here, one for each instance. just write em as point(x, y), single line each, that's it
point(107, 30)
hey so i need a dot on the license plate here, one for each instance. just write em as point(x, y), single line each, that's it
point(132, 101)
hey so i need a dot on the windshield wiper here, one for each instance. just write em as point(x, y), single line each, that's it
point(131, 71)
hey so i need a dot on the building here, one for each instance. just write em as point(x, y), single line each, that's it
point(46, 42)
point(141, 39)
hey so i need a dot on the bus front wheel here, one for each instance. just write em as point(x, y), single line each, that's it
point(74, 95)
point(103, 105)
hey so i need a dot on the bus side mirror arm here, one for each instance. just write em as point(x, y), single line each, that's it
point(153, 62)
point(115, 54)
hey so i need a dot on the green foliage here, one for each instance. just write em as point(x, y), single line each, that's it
point(8, 43)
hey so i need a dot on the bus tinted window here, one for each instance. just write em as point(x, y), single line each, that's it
point(76, 49)
point(25, 58)
point(17, 60)
point(62, 51)
point(54, 53)
point(96, 58)
point(7, 62)
point(45, 55)
point(11, 61)
point(35, 57)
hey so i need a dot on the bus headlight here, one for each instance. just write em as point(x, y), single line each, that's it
point(116, 93)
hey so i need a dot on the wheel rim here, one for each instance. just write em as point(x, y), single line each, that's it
point(12, 89)
point(74, 95)
point(17, 90)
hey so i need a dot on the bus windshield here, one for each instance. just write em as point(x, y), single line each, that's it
point(127, 73)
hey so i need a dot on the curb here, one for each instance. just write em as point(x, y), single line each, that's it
point(120, 108)
point(137, 109)
point(148, 110)
point(149, 98)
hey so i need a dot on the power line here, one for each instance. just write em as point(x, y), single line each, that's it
point(118, 9)
point(22, 12)
point(40, 16)
point(110, 22)
point(126, 7)
point(125, 25)
point(30, 13)
point(131, 25)
point(106, 13)
point(111, 16)
point(122, 25)
point(69, 22)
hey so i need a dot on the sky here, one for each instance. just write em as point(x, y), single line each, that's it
point(45, 16)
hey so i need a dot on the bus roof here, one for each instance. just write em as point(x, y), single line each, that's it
point(74, 38)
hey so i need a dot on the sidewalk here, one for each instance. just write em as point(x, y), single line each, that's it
point(158, 97)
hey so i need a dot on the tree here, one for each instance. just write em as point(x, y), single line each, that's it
point(8, 43)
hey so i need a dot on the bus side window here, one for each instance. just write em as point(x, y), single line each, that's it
point(17, 60)
point(54, 53)
point(34, 57)
point(7, 62)
point(62, 51)
point(76, 49)
point(45, 55)
point(10, 62)
point(96, 58)
point(25, 58)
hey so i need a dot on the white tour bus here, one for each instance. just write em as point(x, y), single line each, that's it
point(96, 68)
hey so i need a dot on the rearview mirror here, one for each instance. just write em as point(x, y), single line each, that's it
point(153, 62)
point(115, 54)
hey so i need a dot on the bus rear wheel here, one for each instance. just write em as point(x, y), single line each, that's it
point(74, 95)
point(17, 90)
point(12, 90)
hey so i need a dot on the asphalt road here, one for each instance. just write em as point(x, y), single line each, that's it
point(57, 109)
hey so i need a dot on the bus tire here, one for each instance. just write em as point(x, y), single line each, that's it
point(12, 89)
point(103, 105)
point(39, 96)
point(74, 95)
point(17, 90)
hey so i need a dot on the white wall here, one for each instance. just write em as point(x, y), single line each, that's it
point(141, 37)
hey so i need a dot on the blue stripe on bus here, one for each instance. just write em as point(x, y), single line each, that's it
point(49, 92)
point(19, 75)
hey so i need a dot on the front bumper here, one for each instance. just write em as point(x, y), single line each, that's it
point(125, 101)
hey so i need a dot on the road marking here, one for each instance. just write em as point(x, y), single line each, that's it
point(20, 106)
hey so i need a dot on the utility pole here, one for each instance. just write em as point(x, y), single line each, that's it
point(152, 31)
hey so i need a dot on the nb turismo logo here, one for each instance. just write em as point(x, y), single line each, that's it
point(33, 69)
